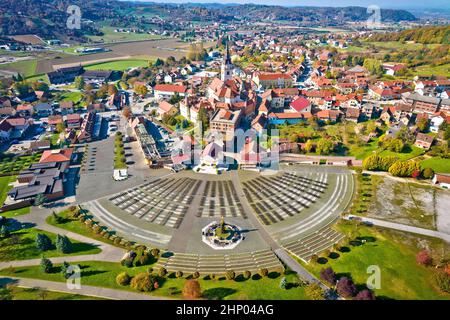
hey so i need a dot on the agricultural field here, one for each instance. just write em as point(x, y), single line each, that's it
point(26, 68)
point(427, 70)
point(120, 65)
point(394, 253)
point(110, 36)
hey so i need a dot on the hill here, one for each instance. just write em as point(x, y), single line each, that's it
point(425, 35)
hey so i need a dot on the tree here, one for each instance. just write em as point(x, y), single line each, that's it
point(46, 265)
point(140, 89)
point(192, 289)
point(230, 275)
point(203, 118)
point(314, 292)
point(4, 232)
point(263, 272)
point(5, 293)
point(65, 270)
point(424, 258)
point(422, 124)
point(63, 244)
point(328, 275)
point(143, 282)
point(308, 146)
point(60, 127)
point(123, 279)
point(283, 283)
point(126, 112)
point(365, 295)
point(79, 83)
point(247, 274)
point(427, 173)
point(324, 146)
point(346, 288)
point(40, 199)
point(43, 242)
point(112, 89)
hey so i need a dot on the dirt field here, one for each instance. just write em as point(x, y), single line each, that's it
point(28, 38)
point(137, 49)
point(411, 204)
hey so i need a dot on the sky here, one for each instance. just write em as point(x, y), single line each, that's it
point(401, 4)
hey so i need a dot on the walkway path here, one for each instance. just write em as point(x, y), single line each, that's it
point(403, 227)
point(107, 293)
point(37, 217)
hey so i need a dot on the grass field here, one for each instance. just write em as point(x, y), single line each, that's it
point(120, 65)
point(26, 67)
point(103, 274)
point(19, 293)
point(4, 187)
point(395, 254)
point(414, 152)
point(111, 36)
point(75, 97)
point(24, 247)
point(39, 77)
point(73, 225)
point(442, 70)
point(439, 165)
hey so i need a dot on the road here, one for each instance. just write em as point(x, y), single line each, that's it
point(403, 227)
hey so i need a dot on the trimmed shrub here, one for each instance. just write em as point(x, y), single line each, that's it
point(230, 275)
point(123, 279)
point(127, 262)
point(427, 173)
point(196, 275)
point(424, 258)
point(162, 272)
point(263, 272)
point(191, 289)
point(247, 274)
point(179, 274)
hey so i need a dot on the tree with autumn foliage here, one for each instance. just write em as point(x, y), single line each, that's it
point(191, 289)
point(424, 258)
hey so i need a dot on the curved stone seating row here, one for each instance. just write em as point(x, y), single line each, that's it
point(276, 198)
point(161, 201)
point(220, 198)
point(220, 264)
point(313, 244)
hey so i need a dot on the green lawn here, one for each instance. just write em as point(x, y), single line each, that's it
point(4, 188)
point(395, 254)
point(103, 274)
point(25, 67)
point(39, 77)
point(73, 225)
point(21, 246)
point(75, 96)
point(439, 165)
point(361, 152)
point(119, 65)
point(19, 293)
point(414, 152)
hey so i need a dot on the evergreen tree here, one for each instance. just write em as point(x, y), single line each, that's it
point(43, 242)
point(283, 283)
point(63, 244)
point(46, 265)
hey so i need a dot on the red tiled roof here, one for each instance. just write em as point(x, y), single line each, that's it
point(300, 104)
point(170, 88)
point(273, 76)
point(61, 155)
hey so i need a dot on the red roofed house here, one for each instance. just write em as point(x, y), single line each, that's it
point(424, 141)
point(57, 155)
point(442, 179)
point(166, 108)
point(300, 105)
point(273, 80)
point(166, 91)
point(73, 121)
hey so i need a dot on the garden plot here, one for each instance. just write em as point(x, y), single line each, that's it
point(405, 203)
